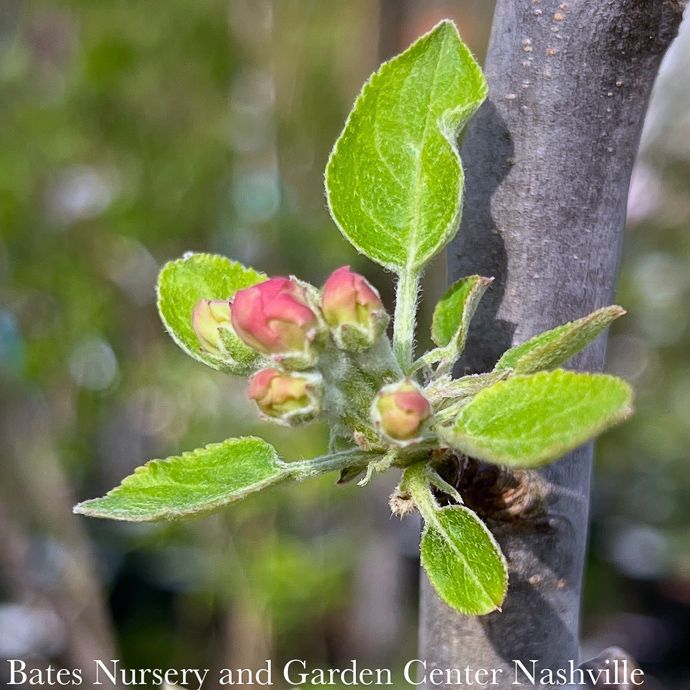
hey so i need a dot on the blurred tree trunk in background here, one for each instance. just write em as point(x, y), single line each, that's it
point(46, 559)
point(548, 161)
point(392, 17)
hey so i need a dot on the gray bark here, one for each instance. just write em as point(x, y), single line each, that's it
point(548, 161)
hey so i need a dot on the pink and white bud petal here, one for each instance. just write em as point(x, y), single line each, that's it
point(288, 398)
point(208, 317)
point(260, 383)
point(400, 411)
point(353, 309)
point(274, 317)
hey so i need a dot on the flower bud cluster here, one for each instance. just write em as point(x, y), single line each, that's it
point(292, 324)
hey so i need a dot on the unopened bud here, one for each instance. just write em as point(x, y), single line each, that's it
point(353, 309)
point(399, 412)
point(275, 317)
point(288, 398)
point(208, 318)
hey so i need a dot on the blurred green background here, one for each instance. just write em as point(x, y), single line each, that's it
point(131, 132)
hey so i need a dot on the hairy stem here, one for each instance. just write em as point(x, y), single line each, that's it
point(417, 483)
point(334, 462)
point(405, 318)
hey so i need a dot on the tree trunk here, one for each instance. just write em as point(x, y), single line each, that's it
point(548, 161)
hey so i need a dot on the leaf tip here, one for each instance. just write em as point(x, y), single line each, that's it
point(445, 25)
point(628, 409)
point(84, 508)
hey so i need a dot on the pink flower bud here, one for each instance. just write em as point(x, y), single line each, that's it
point(353, 309)
point(274, 317)
point(208, 317)
point(399, 412)
point(288, 398)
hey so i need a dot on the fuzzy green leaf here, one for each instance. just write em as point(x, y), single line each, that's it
point(455, 310)
point(555, 347)
point(451, 322)
point(186, 281)
point(394, 179)
point(529, 420)
point(463, 561)
point(191, 483)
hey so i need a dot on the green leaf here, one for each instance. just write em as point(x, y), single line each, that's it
point(455, 310)
point(394, 179)
point(191, 483)
point(526, 421)
point(451, 322)
point(463, 561)
point(555, 347)
point(182, 283)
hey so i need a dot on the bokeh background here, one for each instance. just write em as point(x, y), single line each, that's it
point(131, 132)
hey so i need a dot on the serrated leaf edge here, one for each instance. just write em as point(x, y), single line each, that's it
point(477, 451)
point(84, 508)
point(612, 312)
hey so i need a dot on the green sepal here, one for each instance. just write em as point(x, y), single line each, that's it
point(555, 347)
point(351, 380)
point(183, 283)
